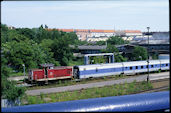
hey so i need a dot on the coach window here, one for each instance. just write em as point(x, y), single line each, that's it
point(96, 69)
point(147, 66)
point(166, 64)
point(141, 67)
point(152, 66)
point(130, 68)
point(136, 67)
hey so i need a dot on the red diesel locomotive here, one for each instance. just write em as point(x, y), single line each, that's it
point(49, 72)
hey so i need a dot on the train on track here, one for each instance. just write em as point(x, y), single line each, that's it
point(49, 72)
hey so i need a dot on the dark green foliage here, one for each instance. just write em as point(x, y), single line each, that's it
point(23, 52)
point(62, 51)
point(155, 56)
point(8, 88)
point(31, 47)
point(98, 59)
point(100, 42)
point(26, 32)
point(139, 53)
point(35, 46)
point(117, 56)
point(5, 70)
point(120, 58)
point(10, 91)
point(115, 40)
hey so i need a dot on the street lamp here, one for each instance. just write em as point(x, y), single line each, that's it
point(148, 54)
point(24, 68)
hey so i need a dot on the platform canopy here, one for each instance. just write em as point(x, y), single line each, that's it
point(111, 57)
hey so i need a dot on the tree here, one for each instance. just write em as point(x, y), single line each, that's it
point(26, 32)
point(100, 42)
point(4, 31)
point(139, 53)
point(8, 88)
point(115, 40)
point(46, 46)
point(10, 91)
point(26, 52)
point(97, 59)
point(46, 27)
point(117, 56)
point(61, 49)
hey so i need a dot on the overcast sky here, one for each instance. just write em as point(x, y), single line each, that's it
point(113, 14)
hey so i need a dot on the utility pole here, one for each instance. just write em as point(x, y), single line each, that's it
point(24, 71)
point(148, 54)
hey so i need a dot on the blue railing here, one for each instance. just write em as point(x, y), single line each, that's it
point(156, 101)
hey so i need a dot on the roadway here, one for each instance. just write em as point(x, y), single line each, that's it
point(139, 78)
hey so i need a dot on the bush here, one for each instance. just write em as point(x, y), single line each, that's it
point(10, 91)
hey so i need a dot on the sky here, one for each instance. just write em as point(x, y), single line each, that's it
point(111, 14)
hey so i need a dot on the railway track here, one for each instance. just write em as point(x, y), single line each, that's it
point(87, 85)
point(153, 77)
point(163, 88)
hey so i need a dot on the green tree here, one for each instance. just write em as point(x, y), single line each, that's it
point(24, 51)
point(10, 91)
point(46, 27)
point(139, 53)
point(115, 40)
point(8, 88)
point(4, 32)
point(46, 46)
point(26, 32)
point(100, 42)
point(61, 50)
point(117, 56)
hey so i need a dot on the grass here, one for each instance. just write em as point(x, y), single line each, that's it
point(114, 90)
point(13, 74)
